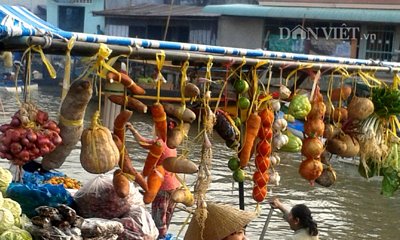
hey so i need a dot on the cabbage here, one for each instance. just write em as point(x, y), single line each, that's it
point(20, 221)
point(13, 206)
point(6, 220)
point(1, 199)
point(15, 234)
point(5, 179)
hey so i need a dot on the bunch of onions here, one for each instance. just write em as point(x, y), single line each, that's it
point(28, 136)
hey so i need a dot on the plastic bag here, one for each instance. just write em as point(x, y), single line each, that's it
point(31, 196)
point(51, 233)
point(39, 178)
point(97, 227)
point(138, 225)
point(97, 199)
point(16, 234)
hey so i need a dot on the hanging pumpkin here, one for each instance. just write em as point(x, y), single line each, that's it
point(99, 154)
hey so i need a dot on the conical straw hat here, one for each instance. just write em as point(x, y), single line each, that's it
point(222, 220)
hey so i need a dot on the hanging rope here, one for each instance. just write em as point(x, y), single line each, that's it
point(46, 62)
point(67, 70)
point(160, 59)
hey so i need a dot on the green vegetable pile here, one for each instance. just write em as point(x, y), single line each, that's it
point(386, 101)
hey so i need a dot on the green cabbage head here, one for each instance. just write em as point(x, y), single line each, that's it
point(15, 234)
point(13, 206)
point(6, 220)
point(5, 179)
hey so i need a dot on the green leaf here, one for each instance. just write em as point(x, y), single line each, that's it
point(390, 182)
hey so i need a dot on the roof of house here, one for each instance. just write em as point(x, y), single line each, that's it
point(365, 4)
point(317, 13)
point(156, 10)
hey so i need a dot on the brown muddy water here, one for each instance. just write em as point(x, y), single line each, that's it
point(353, 208)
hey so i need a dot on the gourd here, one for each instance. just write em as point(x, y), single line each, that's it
point(99, 153)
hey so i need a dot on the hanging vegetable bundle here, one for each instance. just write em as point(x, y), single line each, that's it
point(262, 161)
point(99, 154)
point(29, 135)
point(312, 147)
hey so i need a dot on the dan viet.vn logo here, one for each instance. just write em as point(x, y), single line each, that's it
point(339, 33)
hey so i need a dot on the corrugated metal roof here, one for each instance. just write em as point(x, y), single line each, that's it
point(156, 10)
point(333, 4)
point(318, 13)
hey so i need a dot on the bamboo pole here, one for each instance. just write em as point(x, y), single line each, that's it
point(58, 46)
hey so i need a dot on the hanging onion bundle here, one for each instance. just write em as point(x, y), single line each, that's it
point(29, 135)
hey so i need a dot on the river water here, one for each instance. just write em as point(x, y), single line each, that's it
point(352, 208)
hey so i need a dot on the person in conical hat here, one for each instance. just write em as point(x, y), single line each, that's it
point(223, 222)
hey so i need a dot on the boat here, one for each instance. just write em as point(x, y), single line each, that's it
point(10, 86)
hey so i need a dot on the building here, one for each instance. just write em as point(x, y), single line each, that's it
point(186, 23)
point(345, 28)
point(76, 15)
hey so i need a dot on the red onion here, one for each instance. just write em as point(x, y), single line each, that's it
point(2, 155)
point(25, 141)
point(13, 134)
point(15, 147)
point(4, 127)
point(41, 117)
point(3, 148)
point(52, 126)
point(44, 150)
point(32, 137)
point(8, 156)
point(15, 122)
point(57, 140)
point(24, 155)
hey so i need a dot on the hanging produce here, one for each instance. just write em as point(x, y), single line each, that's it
point(226, 128)
point(184, 196)
point(294, 144)
point(160, 120)
point(126, 81)
point(179, 112)
point(130, 103)
point(154, 182)
point(252, 127)
point(121, 184)
point(72, 112)
point(28, 136)
point(360, 108)
point(179, 165)
point(299, 106)
point(191, 90)
point(153, 157)
point(176, 133)
point(125, 164)
point(99, 154)
point(341, 93)
point(312, 146)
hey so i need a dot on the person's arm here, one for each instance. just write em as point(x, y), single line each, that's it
point(143, 142)
point(276, 203)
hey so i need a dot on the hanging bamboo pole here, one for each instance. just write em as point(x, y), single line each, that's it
point(58, 46)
